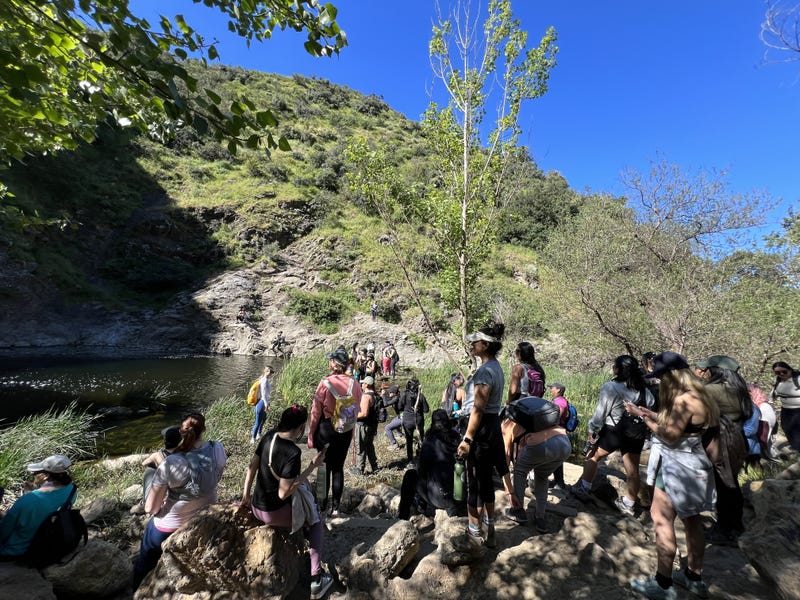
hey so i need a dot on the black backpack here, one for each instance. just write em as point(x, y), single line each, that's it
point(58, 535)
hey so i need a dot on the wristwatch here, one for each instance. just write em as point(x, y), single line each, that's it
point(468, 440)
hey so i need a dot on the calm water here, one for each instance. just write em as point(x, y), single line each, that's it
point(139, 396)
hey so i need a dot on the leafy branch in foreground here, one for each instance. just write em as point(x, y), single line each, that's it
point(66, 67)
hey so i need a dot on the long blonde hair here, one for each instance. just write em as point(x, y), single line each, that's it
point(679, 381)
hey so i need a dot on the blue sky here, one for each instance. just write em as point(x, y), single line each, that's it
point(686, 81)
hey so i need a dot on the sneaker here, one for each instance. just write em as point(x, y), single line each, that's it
point(580, 492)
point(333, 513)
point(518, 515)
point(698, 588)
point(541, 524)
point(624, 508)
point(474, 535)
point(650, 588)
point(321, 587)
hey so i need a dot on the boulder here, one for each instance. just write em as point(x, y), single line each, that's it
point(223, 552)
point(18, 582)
point(455, 546)
point(99, 509)
point(772, 540)
point(97, 570)
point(390, 554)
point(371, 505)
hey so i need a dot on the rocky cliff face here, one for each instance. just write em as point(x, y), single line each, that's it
point(34, 317)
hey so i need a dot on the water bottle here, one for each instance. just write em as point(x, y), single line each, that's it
point(322, 485)
point(458, 480)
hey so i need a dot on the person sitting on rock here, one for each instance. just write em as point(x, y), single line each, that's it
point(53, 488)
point(279, 482)
point(183, 484)
point(431, 484)
point(172, 439)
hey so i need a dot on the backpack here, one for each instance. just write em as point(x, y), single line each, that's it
point(572, 421)
point(533, 413)
point(345, 414)
point(58, 535)
point(203, 476)
point(253, 395)
point(380, 407)
point(535, 383)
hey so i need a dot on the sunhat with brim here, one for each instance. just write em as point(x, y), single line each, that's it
point(718, 360)
point(479, 336)
point(57, 463)
point(667, 361)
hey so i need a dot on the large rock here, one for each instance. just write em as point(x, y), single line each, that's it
point(369, 571)
point(99, 510)
point(772, 539)
point(224, 552)
point(456, 547)
point(96, 571)
point(18, 582)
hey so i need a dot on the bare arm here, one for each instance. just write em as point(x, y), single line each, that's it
point(252, 469)
point(513, 385)
point(287, 487)
point(672, 429)
point(155, 499)
point(475, 417)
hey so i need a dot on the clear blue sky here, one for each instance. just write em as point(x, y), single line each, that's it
point(686, 80)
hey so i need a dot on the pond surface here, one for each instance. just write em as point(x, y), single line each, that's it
point(138, 396)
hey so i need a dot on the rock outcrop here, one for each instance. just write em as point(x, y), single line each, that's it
point(224, 552)
point(772, 539)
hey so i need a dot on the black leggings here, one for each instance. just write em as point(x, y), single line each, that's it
point(408, 430)
point(481, 461)
point(338, 445)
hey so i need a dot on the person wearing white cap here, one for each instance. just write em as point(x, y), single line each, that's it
point(53, 488)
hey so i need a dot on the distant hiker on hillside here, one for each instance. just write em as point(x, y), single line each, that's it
point(480, 427)
point(334, 412)
point(374, 310)
point(260, 409)
point(280, 485)
point(183, 484)
point(395, 360)
point(278, 343)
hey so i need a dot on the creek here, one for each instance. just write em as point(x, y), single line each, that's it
point(136, 397)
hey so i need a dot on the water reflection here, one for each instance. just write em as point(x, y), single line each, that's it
point(138, 396)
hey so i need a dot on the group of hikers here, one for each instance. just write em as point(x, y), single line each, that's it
point(702, 422)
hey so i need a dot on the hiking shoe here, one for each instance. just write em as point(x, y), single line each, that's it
point(518, 515)
point(541, 524)
point(698, 588)
point(624, 508)
point(650, 588)
point(580, 492)
point(321, 587)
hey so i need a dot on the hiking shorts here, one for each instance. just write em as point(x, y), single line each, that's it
point(611, 439)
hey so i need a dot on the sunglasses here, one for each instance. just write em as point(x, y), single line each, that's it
point(781, 372)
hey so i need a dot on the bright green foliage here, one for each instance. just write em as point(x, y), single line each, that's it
point(67, 66)
point(480, 67)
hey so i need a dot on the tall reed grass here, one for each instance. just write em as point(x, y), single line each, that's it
point(69, 431)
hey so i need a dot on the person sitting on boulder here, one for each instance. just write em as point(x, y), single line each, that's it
point(52, 489)
point(280, 483)
point(183, 484)
point(431, 484)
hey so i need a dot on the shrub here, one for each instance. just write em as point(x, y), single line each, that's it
point(323, 309)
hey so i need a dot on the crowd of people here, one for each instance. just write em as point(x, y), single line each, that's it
point(701, 422)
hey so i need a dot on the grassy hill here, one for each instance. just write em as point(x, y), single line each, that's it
point(129, 222)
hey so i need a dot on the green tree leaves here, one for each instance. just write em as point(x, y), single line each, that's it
point(65, 68)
